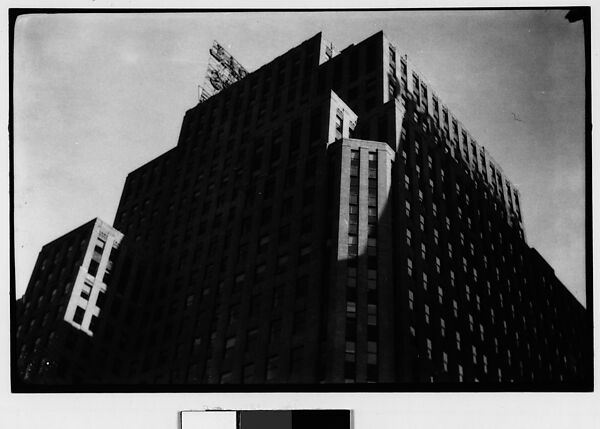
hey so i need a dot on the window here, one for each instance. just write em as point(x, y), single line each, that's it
point(407, 209)
point(411, 300)
point(282, 263)
point(372, 212)
point(248, 372)
point(429, 349)
point(284, 234)
point(275, 330)
point(305, 253)
point(371, 353)
point(85, 291)
point(78, 316)
point(229, 345)
point(460, 373)
point(426, 314)
point(299, 321)
point(352, 245)
point(100, 299)
point(277, 298)
point(93, 269)
point(408, 237)
point(352, 277)
point(445, 361)
point(260, 273)
point(263, 243)
point(351, 310)
point(296, 358)
point(372, 246)
point(272, 365)
point(350, 352)
point(339, 125)
point(372, 314)
point(372, 278)
point(409, 267)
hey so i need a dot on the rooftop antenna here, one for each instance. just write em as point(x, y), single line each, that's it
point(223, 70)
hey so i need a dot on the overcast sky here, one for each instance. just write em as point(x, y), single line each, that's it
point(96, 96)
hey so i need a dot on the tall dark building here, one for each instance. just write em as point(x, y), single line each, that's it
point(324, 219)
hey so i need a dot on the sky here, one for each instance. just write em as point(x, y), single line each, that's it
point(98, 95)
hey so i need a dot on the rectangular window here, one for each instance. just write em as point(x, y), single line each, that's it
point(372, 314)
point(299, 321)
point(339, 125)
point(78, 316)
point(372, 278)
point(272, 365)
point(274, 331)
point(93, 268)
point(372, 246)
point(282, 261)
point(371, 353)
point(305, 254)
point(351, 310)
point(350, 352)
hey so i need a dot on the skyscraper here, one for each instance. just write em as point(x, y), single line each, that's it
point(324, 219)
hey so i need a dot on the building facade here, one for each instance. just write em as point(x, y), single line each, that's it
point(326, 219)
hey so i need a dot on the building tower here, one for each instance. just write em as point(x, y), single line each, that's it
point(326, 219)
